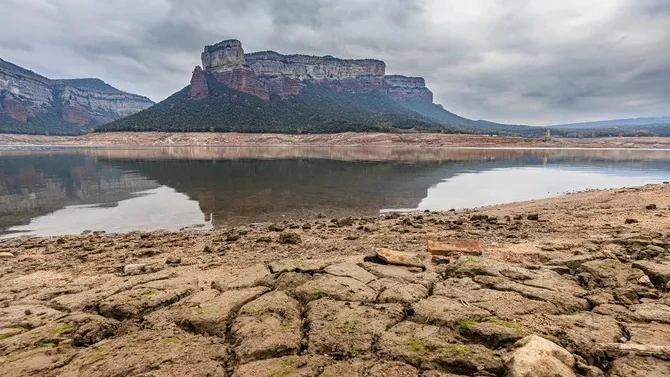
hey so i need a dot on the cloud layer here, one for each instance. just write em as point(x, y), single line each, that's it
point(515, 61)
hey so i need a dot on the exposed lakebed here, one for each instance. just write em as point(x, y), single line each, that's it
point(67, 191)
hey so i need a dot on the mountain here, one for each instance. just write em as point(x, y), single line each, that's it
point(31, 103)
point(631, 122)
point(271, 92)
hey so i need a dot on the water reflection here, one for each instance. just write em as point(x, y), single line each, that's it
point(67, 191)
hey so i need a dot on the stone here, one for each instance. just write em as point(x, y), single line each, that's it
point(134, 269)
point(401, 273)
point(539, 357)
point(634, 366)
point(644, 280)
point(370, 368)
point(173, 260)
point(335, 287)
point(412, 89)
point(176, 354)
point(573, 263)
point(297, 265)
point(493, 332)
point(351, 270)
point(290, 238)
point(446, 247)
point(426, 347)
point(397, 258)
point(208, 312)
point(443, 311)
point(533, 217)
point(277, 227)
point(269, 326)
point(394, 291)
point(658, 273)
point(6, 255)
point(630, 221)
point(294, 366)
point(347, 329)
point(224, 279)
point(651, 206)
point(610, 273)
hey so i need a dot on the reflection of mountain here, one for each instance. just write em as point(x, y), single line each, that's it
point(35, 185)
point(231, 187)
point(246, 190)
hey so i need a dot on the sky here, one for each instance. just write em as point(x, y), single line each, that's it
point(534, 62)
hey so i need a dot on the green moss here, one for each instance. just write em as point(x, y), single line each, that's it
point(416, 345)
point(171, 340)
point(6, 335)
point(346, 325)
point(297, 263)
point(319, 295)
point(149, 293)
point(62, 328)
point(202, 311)
point(512, 325)
point(173, 300)
point(98, 354)
point(464, 327)
point(454, 350)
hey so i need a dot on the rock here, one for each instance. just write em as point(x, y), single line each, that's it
point(348, 221)
point(208, 312)
point(644, 280)
point(269, 326)
point(400, 259)
point(438, 259)
point(450, 246)
point(224, 279)
point(277, 227)
point(134, 269)
point(635, 366)
point(352, 237)
point(394, 291)
point(539, 357)
point(350, 270)
point(630, 221)
point(610, 273)
point(533, 217)
point(658, 273)
point(574, 262)
point(290, 238)
point(370, 368)
point(6, 255)
point(426, 346)
point(335, 287)
point(448, 312)
point(199, 88)
point(173, 260)
point(346, 329)
point(493, 332)
point(297, 265)
point(651, 206)
point(265, 239)
point(401, 273)
point(294, 366)
point(408, 89)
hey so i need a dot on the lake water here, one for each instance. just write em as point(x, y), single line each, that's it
point(67, 191)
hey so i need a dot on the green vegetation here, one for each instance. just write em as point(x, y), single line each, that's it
point(464, 327)
point(416, 345)
point(454, 350)
point(317, 110)
point(511, 325)
point(149, 293)
point(6, 335)
point(346, 325)
point(319, 295)
point(173, 300)
point(62, 328)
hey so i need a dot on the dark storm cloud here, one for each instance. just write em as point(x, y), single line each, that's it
point(517, 61)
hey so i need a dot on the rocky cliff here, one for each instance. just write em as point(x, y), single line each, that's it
point(405, 88)
point(32, 103)
point(265, 73)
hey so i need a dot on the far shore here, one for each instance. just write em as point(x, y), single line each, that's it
point(348, 139)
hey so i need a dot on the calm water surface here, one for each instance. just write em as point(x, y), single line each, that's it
point(68, 191)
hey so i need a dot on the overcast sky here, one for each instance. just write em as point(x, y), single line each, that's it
point(515, 61)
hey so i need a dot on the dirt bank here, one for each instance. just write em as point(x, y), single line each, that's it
point(343, 139)
point(588, 271)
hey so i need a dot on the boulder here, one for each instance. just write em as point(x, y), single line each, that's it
point(397, 258)
point(538, 357)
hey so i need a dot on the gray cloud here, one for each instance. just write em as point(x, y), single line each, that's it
point(515, 61)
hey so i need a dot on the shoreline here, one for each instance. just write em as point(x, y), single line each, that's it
point(349, 139)
point(588, 273)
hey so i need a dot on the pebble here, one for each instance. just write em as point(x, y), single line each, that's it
point(134, 269)
point(651, 206)
point(644, 280)
point(172, 260)
point(6, 254)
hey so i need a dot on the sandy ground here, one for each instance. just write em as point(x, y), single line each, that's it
point(589, 272)
point(342, 139)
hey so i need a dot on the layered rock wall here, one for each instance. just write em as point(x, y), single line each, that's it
point(268, 72)
point(411, 89)
point(25, 94)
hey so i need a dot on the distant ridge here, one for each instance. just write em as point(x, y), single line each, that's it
point(630, 122)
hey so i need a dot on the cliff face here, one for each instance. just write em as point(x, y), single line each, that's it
point(411, 89)
point(268, 72)
point(28, 99)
